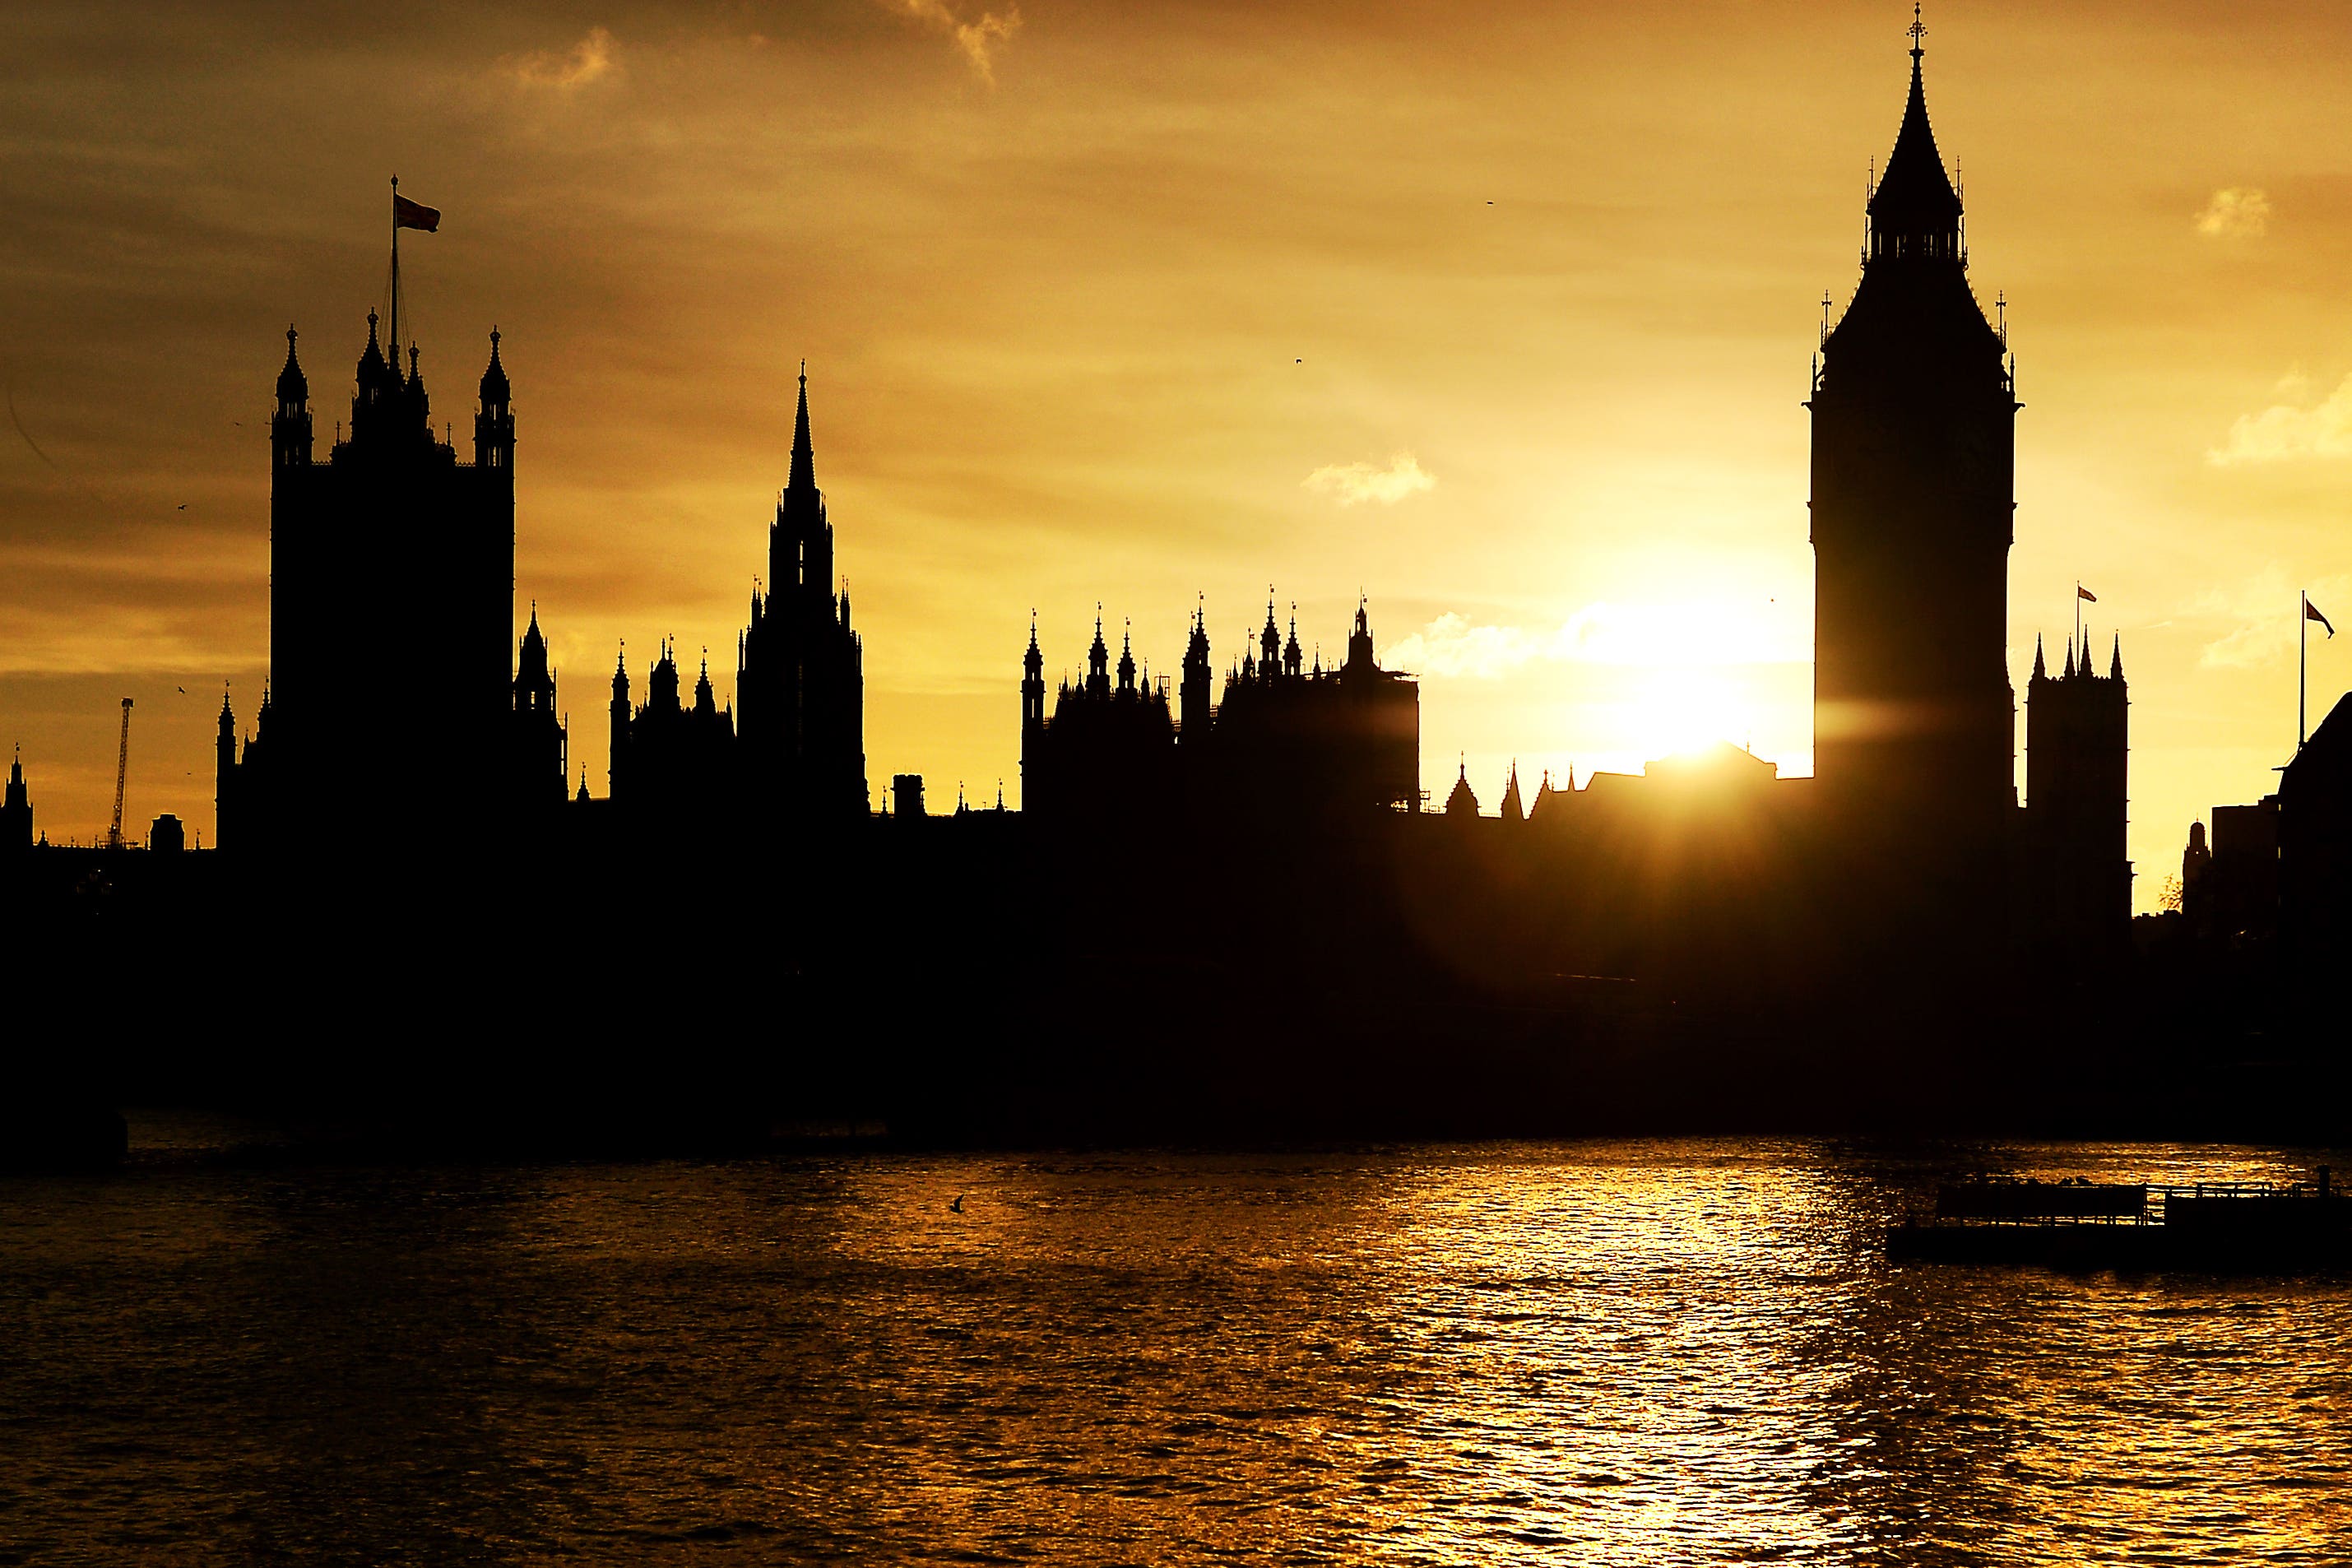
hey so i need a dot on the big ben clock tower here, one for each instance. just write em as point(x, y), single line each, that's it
point(1913, 491)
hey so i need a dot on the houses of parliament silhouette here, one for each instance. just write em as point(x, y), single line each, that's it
point(1909, 838)
point(1907, 864)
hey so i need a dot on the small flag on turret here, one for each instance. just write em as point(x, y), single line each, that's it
point(2083, 593)
point(406, 214)
point(2311, 613)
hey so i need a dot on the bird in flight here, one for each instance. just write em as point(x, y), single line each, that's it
point(956, 1207)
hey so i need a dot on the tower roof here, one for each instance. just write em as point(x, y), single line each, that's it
point(373, 364)
point(494, 379)
point(1914, 194)
point(293, 386)
point(1462, 802)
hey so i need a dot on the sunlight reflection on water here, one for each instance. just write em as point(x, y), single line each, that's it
point(1599, 1353)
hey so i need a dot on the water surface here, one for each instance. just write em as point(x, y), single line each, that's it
point(1598, 1353)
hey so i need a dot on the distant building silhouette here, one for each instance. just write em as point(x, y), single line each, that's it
point(15, 811)
point(1287, 743)
point(671, 761)
point(169, 836)
point(388, 556)
point(1913, 496)
point(2073, 875)
point(2236, 894)
point(796, 752)
point(802, 672)
point(540, 757)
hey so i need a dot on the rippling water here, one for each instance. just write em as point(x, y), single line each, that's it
point(1620, 1353)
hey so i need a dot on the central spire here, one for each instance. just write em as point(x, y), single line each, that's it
point(803, 477)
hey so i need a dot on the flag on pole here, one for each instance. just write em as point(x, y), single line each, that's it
point(406, 214)
point(2083, 593)
point(2311, 613)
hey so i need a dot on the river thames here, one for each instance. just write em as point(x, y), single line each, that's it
point(1594, 1353)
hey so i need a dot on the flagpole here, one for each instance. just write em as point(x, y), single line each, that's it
point(2302, 667)
point(392, 348)
point(2078, 612)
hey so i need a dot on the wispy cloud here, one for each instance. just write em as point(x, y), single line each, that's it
point(590, 59)
point(2240, 212)
point(2285, 431)
point(1355, 482)
point(978, 39)
point(2261, 611)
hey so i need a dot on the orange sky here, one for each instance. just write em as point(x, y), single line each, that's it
point(1500, 314)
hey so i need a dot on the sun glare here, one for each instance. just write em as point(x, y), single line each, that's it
point(1685, 709)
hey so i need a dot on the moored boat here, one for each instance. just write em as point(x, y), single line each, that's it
point(2218, 1226)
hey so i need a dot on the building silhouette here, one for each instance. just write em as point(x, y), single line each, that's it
point(1286, 742)
point(2314, 855)
point(1913, 460)
point(15, 811)
point(673, 761)
point(391, 568)
point(2074, 873)
point(801, 669)
point(539, 755)
point(795, 756)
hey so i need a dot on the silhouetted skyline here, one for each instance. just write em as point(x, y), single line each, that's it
point(1623, 461)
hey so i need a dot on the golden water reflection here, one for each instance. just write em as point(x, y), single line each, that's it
point(1619, 1353)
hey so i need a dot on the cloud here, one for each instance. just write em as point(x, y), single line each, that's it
point(2240, 212)
point(1354, 482)
point(2261, 611)
point(2283, 430)
point(979, 41)
point(588, 60)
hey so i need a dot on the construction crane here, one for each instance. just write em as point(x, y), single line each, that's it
point(121, 774)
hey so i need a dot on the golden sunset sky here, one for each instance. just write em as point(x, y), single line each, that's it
point(1500, 314)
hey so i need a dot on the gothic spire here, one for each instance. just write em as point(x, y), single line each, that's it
point(2040, 672)
point(293, 386)
point(803, 476)
point(1913, 211)
point(2115, 664)
point(495, 389)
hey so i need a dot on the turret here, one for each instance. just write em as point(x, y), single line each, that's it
point(1098, 663)
point(494, 429)
point(1126, 663)
point(618, 765)
point(706, 703)
point(1193, 697)
point(419, 415)
point(1291, 658)
point(661, 684)
point(224, 770)
point(16, 811)
point(289, 427)
point(1032, 682)
point(378, 382)
point(534, 687)
point(1269, 644)
point(1360, 641)
point(1512, 810)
